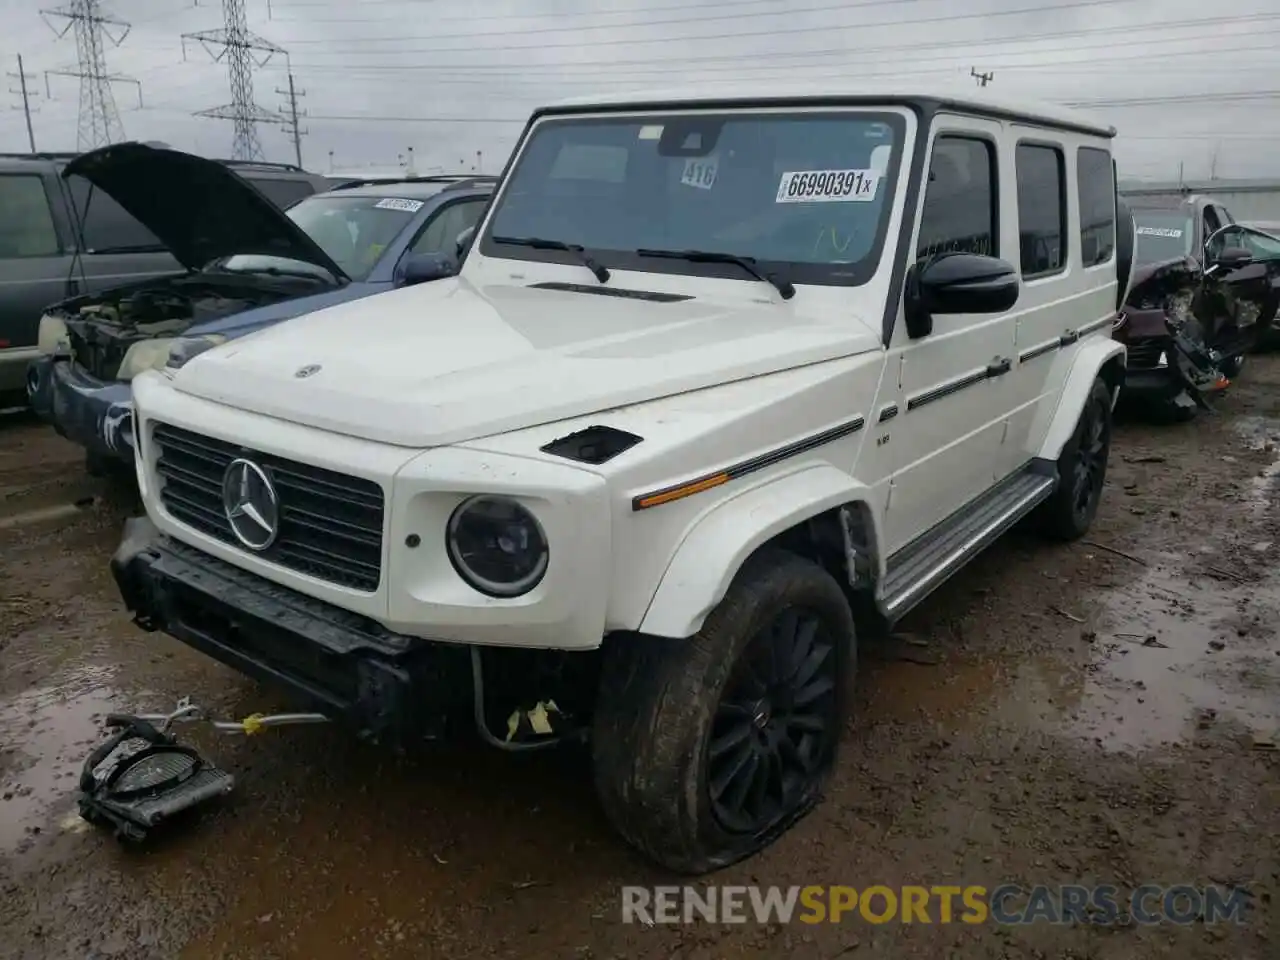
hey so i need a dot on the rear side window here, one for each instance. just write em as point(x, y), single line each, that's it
point(1042, 210)
point(960, 199)
point(283, 193)
point(107, 228)
point(1097, 205)
point(26, 227)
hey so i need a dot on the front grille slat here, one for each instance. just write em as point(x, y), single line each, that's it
point(330, 523)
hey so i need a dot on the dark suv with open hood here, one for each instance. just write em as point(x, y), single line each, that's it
point(60, 237)
point(248, 264)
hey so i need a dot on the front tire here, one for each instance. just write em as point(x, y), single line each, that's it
point(1082, 470)
point(707, 749)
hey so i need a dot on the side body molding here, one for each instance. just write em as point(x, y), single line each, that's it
point(711, 553)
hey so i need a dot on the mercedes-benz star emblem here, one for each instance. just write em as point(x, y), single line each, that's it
point(308, 370)
point(250, 503)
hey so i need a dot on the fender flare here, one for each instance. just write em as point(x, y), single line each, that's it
point(704, 564)
point(1092, 356)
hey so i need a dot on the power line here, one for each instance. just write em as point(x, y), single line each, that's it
point(241, 50)
point(1080, 104)
point(24, 93)
point(681, 21)
point(662, 65)
point(98, 122)
point(775, 32)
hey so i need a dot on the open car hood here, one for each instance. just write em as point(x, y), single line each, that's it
point(200, 209)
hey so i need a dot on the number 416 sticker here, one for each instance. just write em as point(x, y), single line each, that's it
point(700, 172)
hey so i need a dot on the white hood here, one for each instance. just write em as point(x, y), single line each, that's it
point(447, 362)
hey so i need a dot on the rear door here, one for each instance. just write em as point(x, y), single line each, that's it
point(34, 256)
point(117, 248)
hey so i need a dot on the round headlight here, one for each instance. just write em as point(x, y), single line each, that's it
point(497, 546)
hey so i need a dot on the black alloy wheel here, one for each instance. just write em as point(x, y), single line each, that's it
point(774, 727)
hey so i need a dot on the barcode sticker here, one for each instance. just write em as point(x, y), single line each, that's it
point(397, 203)
point(828, 186)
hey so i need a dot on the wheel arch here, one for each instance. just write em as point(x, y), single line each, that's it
point(1097, 358)
point(819, 512)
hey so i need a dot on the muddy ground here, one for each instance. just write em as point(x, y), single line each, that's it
point(1097, 713)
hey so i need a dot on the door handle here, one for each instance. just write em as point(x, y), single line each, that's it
point(1000, 367)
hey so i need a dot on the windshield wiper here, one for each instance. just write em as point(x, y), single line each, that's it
point(538, 243)
point(749, 264)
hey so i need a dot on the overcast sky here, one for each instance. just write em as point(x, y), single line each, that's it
point(1184, 82)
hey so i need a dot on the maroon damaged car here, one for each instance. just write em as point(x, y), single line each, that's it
point(1204, 291)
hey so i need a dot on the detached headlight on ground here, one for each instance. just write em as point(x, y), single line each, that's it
point(497, 546)
point(144, 355)
point(183, 350)
point(52, 337)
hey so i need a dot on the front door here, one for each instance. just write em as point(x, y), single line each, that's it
point(950, 409)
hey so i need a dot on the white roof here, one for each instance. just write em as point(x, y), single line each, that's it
point(960, 94)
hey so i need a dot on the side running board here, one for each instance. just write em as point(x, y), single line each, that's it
point(927, 562)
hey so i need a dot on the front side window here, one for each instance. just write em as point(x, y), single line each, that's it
point(959, 214)
point(1261, 245)
point(441, 234)
point(1163, 235)
point(26, 227)
point(1042, 210)
point(806, 195)
point(1094, 183)
point(353, 231)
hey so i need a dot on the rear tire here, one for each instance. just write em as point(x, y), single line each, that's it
point(707, 749)
point(1082, 470)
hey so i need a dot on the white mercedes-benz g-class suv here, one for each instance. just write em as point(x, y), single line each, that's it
point(720, 383)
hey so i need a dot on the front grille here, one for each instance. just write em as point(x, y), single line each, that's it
point(1145, 354)
point(103, 362)
point(330, 523)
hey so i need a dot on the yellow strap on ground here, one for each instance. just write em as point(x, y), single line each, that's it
point(252, 724)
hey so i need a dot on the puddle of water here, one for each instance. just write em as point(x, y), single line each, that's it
point(1261, 435)
point(1174, 660)
point(46, 734)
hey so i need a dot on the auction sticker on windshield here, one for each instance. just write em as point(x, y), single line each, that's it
point(1159, 232)
point(828, 186)
point(396, 203)
point(700, 172)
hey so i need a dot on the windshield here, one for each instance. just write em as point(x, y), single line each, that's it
point(353, 231)
point(806, 194)
point(1163, 235)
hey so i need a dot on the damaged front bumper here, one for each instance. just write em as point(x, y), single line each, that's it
point(388, 686)
point(95, 415)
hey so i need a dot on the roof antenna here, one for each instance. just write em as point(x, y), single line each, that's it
point(982, 78)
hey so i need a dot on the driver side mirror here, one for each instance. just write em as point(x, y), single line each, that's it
point(423, 268)
point(957, 283)
point(463, 243)
point(1229, 258)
